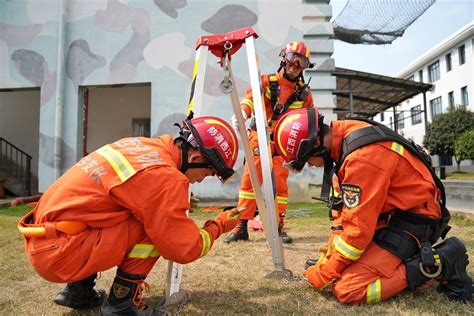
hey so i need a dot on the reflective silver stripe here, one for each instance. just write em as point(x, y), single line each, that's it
point(374, 292)
point(247, 195)
point(396, 147)
point(120, 164)
point(206, 242)
point(143, 251)
point(347, 250)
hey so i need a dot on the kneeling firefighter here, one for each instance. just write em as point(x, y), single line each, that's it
point(124, 206)
point(390, 210)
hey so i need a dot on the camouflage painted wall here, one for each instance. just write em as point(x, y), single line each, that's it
point(117, 42)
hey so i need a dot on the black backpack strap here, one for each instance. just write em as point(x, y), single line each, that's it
point(378, 132)
point(274, 87)
point(299, 94)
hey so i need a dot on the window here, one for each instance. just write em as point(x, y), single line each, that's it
point(412, 78)
point(451, 99)
point(420, 75)
point(415, 115)
point(462, 54)
point(141, 127)
point(381, 117)
point(449, 64)
point(464, 96)
point(436, 107)
point(433, 71)
point(399, 120)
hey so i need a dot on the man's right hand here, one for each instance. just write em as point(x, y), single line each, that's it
point(235, 123)
point(227, 220)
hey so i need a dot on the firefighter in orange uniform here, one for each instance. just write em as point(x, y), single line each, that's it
point(283, 92)
point(392, 211)
point(125, 205)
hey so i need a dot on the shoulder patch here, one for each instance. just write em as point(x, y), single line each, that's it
point(351, 195)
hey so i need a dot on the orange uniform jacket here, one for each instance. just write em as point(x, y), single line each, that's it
point(246, 194)
point(130, 187)
point(375, 179)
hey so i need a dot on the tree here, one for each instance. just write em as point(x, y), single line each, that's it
point(464, 146)
point(442, 133)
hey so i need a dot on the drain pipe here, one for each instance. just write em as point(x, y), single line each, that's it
point(58, 131)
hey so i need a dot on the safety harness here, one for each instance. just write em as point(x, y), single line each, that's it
point(300, 93)
point(406, 233)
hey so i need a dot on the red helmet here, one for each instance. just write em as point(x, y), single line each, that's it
point(217, 142)
point(297, 52)
point(296, 137)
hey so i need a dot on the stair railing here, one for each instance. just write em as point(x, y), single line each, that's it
point(15, 163)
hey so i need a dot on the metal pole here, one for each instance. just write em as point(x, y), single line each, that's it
point(268, 183)
point(425, 112)
point(350, 97)
point(395, 121)
point(59, 91)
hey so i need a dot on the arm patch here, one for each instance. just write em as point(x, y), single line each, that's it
point(351, 195)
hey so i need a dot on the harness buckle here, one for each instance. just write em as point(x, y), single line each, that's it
point(279, 107)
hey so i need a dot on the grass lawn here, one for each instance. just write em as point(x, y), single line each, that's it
point(460, 175)
point(230, 279)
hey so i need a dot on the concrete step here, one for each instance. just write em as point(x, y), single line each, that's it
point(462, 190)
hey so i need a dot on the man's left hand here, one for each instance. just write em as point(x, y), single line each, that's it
point(317, 277)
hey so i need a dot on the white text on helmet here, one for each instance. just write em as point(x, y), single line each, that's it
point(220, 140)
point(290, 145)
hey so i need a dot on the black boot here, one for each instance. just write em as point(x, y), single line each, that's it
point(125, 297)
point(455, 283)
point(80, 294)
point(309, 263)
point(285, 238)
point(240, 232)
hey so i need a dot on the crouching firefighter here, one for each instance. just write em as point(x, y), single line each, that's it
point(124, 206)
point(391, 211)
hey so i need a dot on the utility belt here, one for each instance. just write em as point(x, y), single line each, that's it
point(49, 229)
point(408, 234)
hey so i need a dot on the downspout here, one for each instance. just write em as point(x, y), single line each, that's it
point(58, 131)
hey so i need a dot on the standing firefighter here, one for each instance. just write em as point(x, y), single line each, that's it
point(392, 212)
point(125, 205)
point(284, 92)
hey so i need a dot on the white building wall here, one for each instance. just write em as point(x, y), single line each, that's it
point(459, 76)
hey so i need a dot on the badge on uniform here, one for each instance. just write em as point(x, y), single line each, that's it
point(351, 195)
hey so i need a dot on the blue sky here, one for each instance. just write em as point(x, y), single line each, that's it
point(441, 20)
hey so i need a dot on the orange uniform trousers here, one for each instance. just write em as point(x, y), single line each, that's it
point(247, 195)
point(376, 276)
point(94, 250)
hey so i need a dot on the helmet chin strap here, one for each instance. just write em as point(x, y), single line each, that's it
point(185, 164)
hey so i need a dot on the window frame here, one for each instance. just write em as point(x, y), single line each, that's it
point(464, 96)
point(415, 113)
point(400, 120)
point(434, 73)
point(451, 102)
point(462, 54)
point(449, 62)
point(439, 106)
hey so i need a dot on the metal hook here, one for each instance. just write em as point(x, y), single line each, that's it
point(226, 85)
